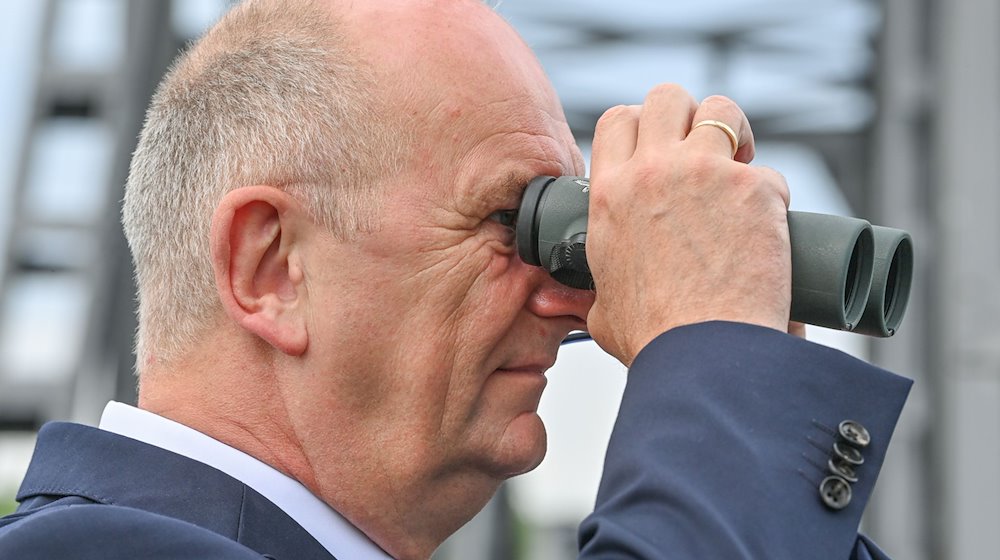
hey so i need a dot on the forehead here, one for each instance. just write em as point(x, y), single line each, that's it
point(498, 149)
point(493, 143)
point(473, 93)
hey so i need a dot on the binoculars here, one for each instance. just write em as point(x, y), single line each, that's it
point(846, 273)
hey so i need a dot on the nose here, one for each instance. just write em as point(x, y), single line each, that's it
point(552, 299)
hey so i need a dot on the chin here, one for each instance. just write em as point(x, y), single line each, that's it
point(523, 445)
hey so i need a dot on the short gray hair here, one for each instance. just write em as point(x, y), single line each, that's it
point(273, 95)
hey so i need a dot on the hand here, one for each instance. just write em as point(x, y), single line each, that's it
point(681, 230)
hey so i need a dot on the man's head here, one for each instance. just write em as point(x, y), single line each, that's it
point(271, 96)
point(385, 347)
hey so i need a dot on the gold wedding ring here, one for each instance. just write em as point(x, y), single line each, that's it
point(733, 140)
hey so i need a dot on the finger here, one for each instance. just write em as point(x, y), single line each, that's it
point(715, 140)
point(666, 116)
point(615, 136)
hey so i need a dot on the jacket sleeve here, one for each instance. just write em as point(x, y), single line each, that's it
point(723, 440)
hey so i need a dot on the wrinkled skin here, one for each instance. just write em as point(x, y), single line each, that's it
point(721, 249)
point(397, 375)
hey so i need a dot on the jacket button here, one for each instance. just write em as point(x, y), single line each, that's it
point(854, 433)
point(835, 492)
point(848, 454)
point(842, 469)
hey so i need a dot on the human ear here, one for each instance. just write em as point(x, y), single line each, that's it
point(255, 257)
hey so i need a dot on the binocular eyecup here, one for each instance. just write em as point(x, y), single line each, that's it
point(846, 273)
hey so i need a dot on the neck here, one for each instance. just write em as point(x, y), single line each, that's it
point(240, 411)
point(381, 486)
point(412, 525)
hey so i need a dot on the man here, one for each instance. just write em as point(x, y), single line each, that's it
point(341, 354)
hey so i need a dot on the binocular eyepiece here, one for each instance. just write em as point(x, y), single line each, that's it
point(846, 273)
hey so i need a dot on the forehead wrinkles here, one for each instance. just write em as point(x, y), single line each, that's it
point(474, 147)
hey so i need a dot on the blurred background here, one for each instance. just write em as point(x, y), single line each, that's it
point(888, 110)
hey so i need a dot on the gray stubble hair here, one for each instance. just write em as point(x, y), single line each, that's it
point(272, 95)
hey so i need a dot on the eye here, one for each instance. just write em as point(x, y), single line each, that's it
point(505, 217)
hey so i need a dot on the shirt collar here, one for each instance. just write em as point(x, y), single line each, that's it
point(328, 527)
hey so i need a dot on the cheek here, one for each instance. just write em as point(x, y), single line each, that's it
point(484, 329)
point(498, 294)
point(479, 281)
point(458, 311)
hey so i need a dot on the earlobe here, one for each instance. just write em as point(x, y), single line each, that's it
point(255, 258)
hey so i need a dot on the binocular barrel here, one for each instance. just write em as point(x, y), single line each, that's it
point(846, 273)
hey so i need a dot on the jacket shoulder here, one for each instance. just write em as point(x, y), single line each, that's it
point(95, 531)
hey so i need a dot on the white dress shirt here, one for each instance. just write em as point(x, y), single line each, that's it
point(336, 534)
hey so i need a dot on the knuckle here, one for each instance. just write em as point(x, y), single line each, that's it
point(647, 172)
point(724, 108)
point(603, 192)
point(598, 199)
point(776, 183)
point(700, 163)
point(718, 101)
point(593, 318)
point(749, 178)
point(667, 90)
point(616, 114)
point(598, 322)
point(765, 191)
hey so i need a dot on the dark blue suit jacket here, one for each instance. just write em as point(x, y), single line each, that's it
point(718, 453)
point(721, 444)
point(97, 495)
